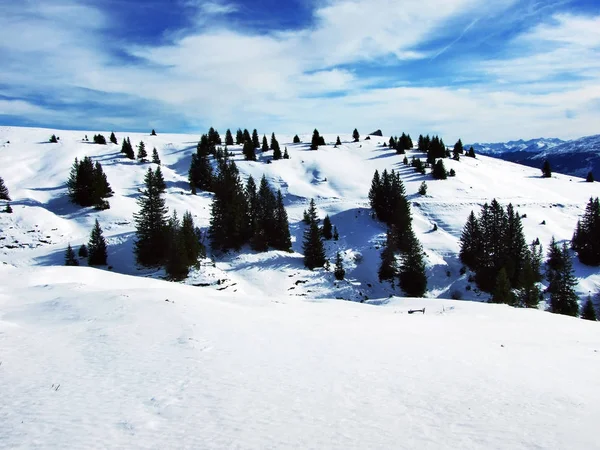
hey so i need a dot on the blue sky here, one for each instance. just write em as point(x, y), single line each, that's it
point(482, 70)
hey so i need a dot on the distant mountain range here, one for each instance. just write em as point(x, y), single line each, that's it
point(576, 157)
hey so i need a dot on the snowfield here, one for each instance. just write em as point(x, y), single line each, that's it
point(255, 351)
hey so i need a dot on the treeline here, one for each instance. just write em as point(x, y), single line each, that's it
point(401, 144)
point(402, 257)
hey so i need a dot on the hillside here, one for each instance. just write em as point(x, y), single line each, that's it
point(576, 157)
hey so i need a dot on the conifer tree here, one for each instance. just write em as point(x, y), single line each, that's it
point(97, 253)
point(200, 174)
point(339, 271)
point(470, 242)
point(127, 149)
point(113, 138)
point(296, 139)
point(586, 239)
point(327, 228)
point(83, 251)
point(53, 139)
point(214, 138)
point(255, 140)
point(588, 312)
point(70, 259)
point(142, 153)
point(561, 281)
point(502, 292)
point(99, 139)
point(265, 144)
point(277, 153)
point(336, 235)
point(412, 277)
point(251, 192)
point(590, 177)
point(281, 239)
point(8, 209)
point(176, 266)
point(338, 142)
point(423, 188)
point(246, 136)
point(439, 171)
point(87, 184)
point(546, 170)
point(314, 251)
point(471, 152)
point(155, 157)
point(286, 155)
point(458, 149)
point(4, 195)
point(355, 135)
point(151, 224)
point(529, 293)
point(316, 139)
point(265, 216)
point(275, 144)
point(249, 151)
point(228, 137)
point(239, 137)
point(388, 268)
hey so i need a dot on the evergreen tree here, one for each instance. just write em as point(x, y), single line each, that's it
point(529, 293)
point(338, 142)
point(99, 139)
point(355, 135)
point(265, 144)
point(53, 139)
point(214, 138)
point(281, 239)
point(8, 209)
point(470, 243)
point(228, 137)
point(153, 132)
point(471, 152)
point(239, 137)
point(339, 271)
point(176, 266)
point(275, 144)
point(458, 149)
point(151, 224)
point(247, 137)
point(142, 154)
point(277, 153)
point(127, 149)
point(586, 239)
point(70, 259)
point(502, 292)
point(517, 252)
point(423, 188)
point(336, 235)
point(97, 253)
point(87, 184)
point(249, 151)
point(251, 193)
point(388, 268)
point(561, 281)
point(265, 216)
point(286, 154)
point(83, 251)
point(439, 171)
point(314, 250)
point(590, 177)
point(113, 138)
point(4, 195)
point(315, 141)
point(546, 170)
point(412, 277)
point(327, 228)
point(200, 174)
point(155, 157)
point(255, 140)
point(588, 312)
point(296, 139)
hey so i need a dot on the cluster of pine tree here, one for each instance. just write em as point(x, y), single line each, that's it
point(433, 146)
point(316, 140)
point(401, 144)
point(127, 149)
point(586, 239)
point(244, 214)
point(387, 197)
point(96, 251)
point(162, 241)
point(53, 139)
point(494, 248)
point(99, 139)
point(88, 185)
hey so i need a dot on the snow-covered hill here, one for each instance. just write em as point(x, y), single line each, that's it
point(253, 351)
point(576, 157)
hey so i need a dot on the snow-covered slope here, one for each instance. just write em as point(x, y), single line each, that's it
point(44, 221)
point(92, 359)
point(529, 146)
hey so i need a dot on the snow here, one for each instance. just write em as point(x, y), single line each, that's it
point(253, 350)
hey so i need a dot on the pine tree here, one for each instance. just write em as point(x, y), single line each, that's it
point(470, 243)
point(277, 153)
point(113, 138)
point(336, 235)
point(412, 277)
point(200, 174)
point(338, 142)
point(314, 251)
point(53, 139)
point(249, 151)
point(99, 139)
point(214, 138)
point(153, 132)
point(339, 271)
point(546, 170)
point(142, 154)
point(327, 228)
point(423, 188)
point(176, 266)
point(8, 209)
point(255, 140)
point(296, 139)
point(265, 144)
point(588, 312)
point(561, 281)
point(471, 152)
point(87, 184)
point(70, 259)
point(281, 239)
point(355, 135)
point(529, 293)
point(151, 224)
point(228, 137)
point(316, 139)
point(286, 154)
point(502, 292)
point(388, 268)
point(458, 150)
point(127, 149)
point(97, 253)
point(239, 137)
point(265, 216)
point(155, 157)
point(4, 195)
point(83, 251)
point(439, 171)
point(590, 177)
point(586, 238)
